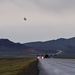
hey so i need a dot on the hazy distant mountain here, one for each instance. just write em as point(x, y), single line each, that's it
point(66, 45)
point(11, 49)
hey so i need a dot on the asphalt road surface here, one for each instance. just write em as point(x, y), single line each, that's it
point(57, 66)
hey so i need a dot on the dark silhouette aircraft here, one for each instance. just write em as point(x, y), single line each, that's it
point(47, 55)
point(25, 18)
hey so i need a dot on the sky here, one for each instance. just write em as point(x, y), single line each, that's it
point(46, 20)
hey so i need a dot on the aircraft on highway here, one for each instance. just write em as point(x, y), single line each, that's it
point(48, 55)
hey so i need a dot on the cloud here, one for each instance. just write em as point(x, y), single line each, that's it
point(55, 5)
point(50, 17)
point(37, 11)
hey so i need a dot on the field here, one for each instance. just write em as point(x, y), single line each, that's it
point(18, 66)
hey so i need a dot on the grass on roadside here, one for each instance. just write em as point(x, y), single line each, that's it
point(18, 66)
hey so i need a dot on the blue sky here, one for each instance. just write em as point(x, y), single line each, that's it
point(46, 20)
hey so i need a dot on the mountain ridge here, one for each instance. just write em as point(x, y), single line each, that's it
point(66, 45)
point(11, 49)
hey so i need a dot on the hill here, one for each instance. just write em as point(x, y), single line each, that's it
point(11, 49)
point(67, 46)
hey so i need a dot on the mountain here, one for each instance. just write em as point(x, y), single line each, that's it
point(11, 49)
point(67, 46)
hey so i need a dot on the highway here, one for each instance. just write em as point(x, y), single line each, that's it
point(57, 66)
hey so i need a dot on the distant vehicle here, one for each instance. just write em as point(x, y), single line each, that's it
point(25, 18)
point(48, 55)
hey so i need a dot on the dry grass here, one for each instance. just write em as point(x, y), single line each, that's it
point(18, 66)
